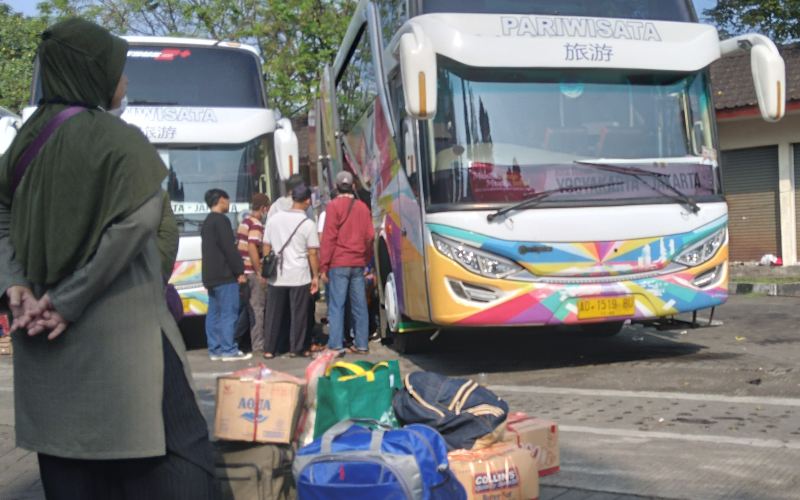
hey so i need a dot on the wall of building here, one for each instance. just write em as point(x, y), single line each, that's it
point(742, 133)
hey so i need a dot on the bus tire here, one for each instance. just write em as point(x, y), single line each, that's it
point(601, 329)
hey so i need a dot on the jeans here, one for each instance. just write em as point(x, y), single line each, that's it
point(347, 282)
point(223, 311)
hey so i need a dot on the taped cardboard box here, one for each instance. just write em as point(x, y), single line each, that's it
point(6, 349)
point(539, 437)
point(258, 405)
point(500, 471)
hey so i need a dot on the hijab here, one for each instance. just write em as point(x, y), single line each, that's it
point(93, 171)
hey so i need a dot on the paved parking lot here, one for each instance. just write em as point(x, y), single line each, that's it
point(677, 413)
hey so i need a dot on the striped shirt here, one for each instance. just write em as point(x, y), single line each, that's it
point(251, 230)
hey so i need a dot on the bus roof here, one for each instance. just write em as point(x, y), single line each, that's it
point(190, 42)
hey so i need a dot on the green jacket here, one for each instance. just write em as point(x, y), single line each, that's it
point(95, 392)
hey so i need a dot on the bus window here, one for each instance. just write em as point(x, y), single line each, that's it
point(160, 75)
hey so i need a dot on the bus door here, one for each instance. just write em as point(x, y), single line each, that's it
point(415, 280)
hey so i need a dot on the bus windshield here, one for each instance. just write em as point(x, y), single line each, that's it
point(162, 75)
point(194, 170)
point(193, 76)
point(501, 135)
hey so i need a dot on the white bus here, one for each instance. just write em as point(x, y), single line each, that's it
point(548, 162)
point(203, 105)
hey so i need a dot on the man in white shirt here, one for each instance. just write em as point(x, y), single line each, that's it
point(293, 237)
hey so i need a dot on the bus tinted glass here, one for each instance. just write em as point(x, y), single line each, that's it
point(503, 134)
point(660, 10)
point(236, 169)
point(193, 76)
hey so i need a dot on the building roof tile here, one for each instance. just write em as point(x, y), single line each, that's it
point(733, 87)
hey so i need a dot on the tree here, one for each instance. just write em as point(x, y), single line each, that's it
point(777, 19)
point(295, 37)
point(19, 37)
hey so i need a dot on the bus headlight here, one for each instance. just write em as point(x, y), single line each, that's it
point(474, 260)
point(702, 251)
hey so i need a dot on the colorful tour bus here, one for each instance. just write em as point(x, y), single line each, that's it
point(536, 163)
point(203, 105)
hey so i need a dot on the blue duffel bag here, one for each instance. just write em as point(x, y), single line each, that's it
point(351, 462)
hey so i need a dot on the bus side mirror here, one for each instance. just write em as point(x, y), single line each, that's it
point(286, 149)
point(418, 67)
point(768, 69)
point(769, 79)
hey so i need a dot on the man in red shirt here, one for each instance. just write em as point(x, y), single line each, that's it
point(346, 251)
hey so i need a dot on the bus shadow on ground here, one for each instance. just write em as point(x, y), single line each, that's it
point(501, 350)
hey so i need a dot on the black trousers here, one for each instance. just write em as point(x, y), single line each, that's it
point(186, 472)
point(282, 299)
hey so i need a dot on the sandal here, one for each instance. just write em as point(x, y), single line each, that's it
point(268, 355)
point(304, 354)
point(354, 350)
point(317, 348)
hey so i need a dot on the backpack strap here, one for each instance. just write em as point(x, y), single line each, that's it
point(33, 149)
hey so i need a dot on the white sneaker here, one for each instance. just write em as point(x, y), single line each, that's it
point(239, 356)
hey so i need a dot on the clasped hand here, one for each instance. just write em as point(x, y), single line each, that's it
point(36, 316)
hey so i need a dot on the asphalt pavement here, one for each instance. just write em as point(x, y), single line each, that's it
point(679, 412)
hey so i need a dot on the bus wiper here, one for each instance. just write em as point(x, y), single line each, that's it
point(182, 219)
point(146, 102)
point(540, 196)
point(679, 196)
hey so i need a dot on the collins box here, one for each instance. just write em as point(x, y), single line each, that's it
point(538, 436)
point(257, 405)
point(502, 470)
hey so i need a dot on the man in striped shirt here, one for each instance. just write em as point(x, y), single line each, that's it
point(249, 236)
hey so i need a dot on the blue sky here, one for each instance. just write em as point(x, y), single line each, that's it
point(29, 6)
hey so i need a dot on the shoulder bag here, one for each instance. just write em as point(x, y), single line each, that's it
point(269, 264)
point(16, 178)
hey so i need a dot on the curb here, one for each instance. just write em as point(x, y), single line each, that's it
point(771, 289)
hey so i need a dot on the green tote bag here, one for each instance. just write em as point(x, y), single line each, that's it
point(357, 390)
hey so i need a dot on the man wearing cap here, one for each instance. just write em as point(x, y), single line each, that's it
point(293, 238)
point(346, 251)
point(285, 202)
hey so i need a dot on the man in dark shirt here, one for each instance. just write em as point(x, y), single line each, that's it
point(223, 272)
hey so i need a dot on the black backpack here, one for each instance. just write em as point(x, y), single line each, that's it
point(461, 410)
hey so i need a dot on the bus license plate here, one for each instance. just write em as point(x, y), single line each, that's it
point(606, 307)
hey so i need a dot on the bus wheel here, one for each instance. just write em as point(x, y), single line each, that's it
point(601, 329)
point(390, 312)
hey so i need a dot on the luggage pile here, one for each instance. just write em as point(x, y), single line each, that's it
point(5, 338)
point(364, 431)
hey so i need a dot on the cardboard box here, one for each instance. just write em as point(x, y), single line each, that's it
point(258, 405)
point(501, 471)
point(5, 346)
point(538, 436)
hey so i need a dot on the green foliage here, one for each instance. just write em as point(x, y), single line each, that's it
point(777, 19)
point(295, 37)
point(19, 37)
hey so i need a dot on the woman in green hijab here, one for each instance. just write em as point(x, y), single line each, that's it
point(100, 376)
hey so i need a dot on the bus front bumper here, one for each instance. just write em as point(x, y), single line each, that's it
point(461, 298)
